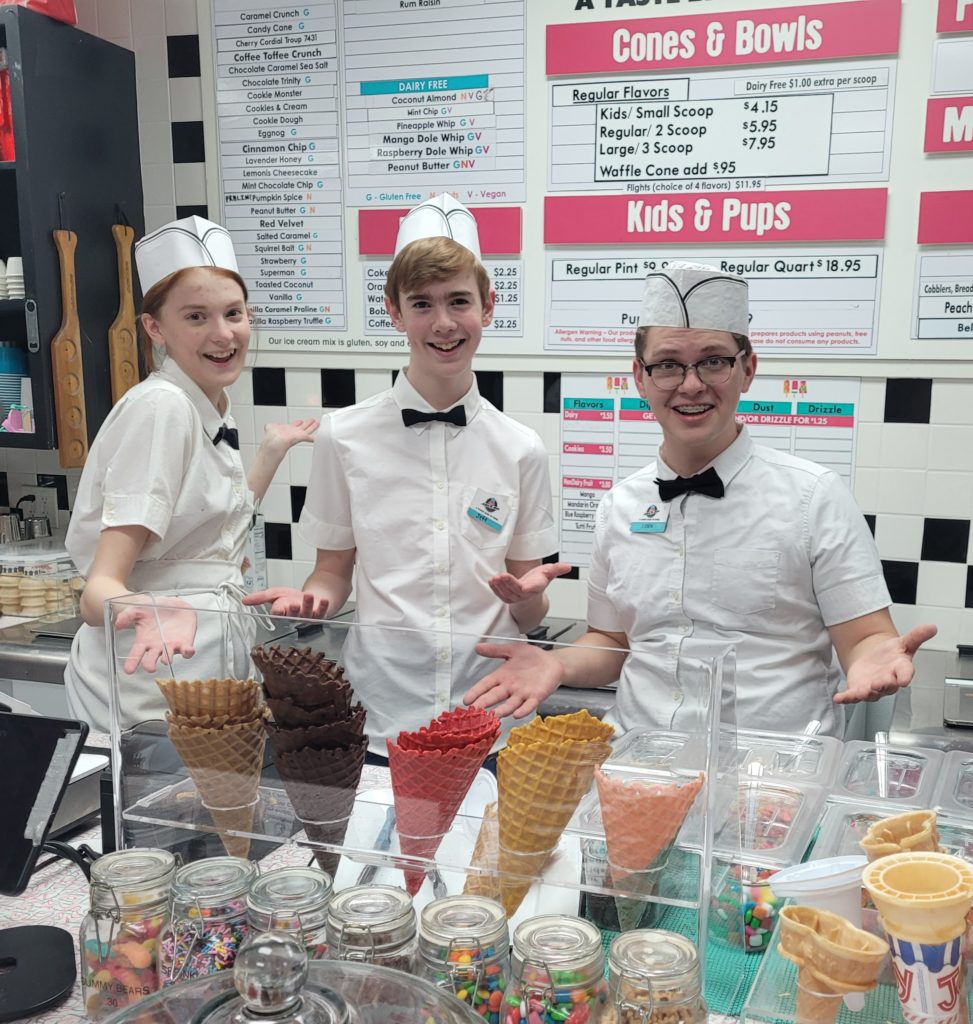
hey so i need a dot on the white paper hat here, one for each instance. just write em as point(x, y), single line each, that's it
point(441, 217)
point(695, 295)
point(190, 242)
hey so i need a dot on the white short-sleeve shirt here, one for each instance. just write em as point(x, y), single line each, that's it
point(401, 496)
point(785, 554)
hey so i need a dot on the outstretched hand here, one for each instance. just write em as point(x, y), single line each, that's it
point(528, 676)
point(290, 601)
point(535, 581)
point(162, 630)
point(885, 668)
point(283, 436)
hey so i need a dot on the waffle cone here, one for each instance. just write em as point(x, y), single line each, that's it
point(311, 692)
point(486, 855)
point(902, 833)
point(459, 727)
point(817, 1002)
point(428, 787)
point(641, 819)
point(830, 950)
point(289, 715)
point(237, 699)
point(578, 726)
point(345, 733)
point(225, 766)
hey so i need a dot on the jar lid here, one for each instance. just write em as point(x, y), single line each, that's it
point(557, 940)
point(286, 893)
point(463, 921)
point(214, 880)
point(383, 912)
point(656, 958)
point(131, 871)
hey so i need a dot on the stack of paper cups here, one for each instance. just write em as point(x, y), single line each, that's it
point(923, 900)
point(15, 277)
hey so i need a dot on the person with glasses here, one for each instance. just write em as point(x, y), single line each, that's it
point(719, 541)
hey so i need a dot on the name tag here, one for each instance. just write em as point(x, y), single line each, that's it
point(488, 510)
point(654, 519)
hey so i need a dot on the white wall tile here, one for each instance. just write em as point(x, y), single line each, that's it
point(901, 491)
point(243, 415)
point(899, 537)
point(87, 11)
point(115, 20)
point(952, 402)
point(242, 390)
point(157, 184)
point(869, 444)
point(190, 184)
point(547, 426)
point(155, 142)
point(949, 495)
point(951, 448)
point(904, 446)
point(264, 414)
point(301, 551)
point(152, 95)
point(871, 403)
point(151, 71)
point(301, 412)
point(523, 392)
point(181, 17)
point(276, 504)
point(371, 382)
point(280, 573)
point(304, 387)
point(148, 19)
point(866, 489)
point(906, 616)
point(942, 584)
point(157, 214)
point(186, 99)
point(300, 457)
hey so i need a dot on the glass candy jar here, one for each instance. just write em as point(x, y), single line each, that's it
point(464, 947)
point(557, 973)
point(373, 923)
point(653, 977)
point(292, 899)
point(209, 918)
point(120, 935)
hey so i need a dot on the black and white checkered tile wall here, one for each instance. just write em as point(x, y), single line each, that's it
point(914, 465)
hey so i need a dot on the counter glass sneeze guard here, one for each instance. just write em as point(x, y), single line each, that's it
point(177, 779)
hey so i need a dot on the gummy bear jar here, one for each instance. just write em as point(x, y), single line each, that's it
point(464, 947)
point(209, 918)
point(120, 934)
point(557, 973)
point(292, 899)
point(653, 977)
point(373, 923)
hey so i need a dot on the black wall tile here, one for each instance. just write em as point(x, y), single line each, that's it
point(574, 574)
point(4, 491)
point(298, 494)
point(870, 519)
point(969, 586)
point(902, 578)
point(490, 384)
point(269, 385)
point(337, 388)
point(908, 400)
point(188, 146)
point(183, 56)
point(945, 540)
point(552, 393)
point(278, 537)
point(192, 211)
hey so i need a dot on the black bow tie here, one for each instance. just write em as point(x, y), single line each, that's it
point(456, 416)
point(229, 434)
point(708, 482)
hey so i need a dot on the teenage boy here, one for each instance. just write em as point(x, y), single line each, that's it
point(439, 504)
point(719, 540)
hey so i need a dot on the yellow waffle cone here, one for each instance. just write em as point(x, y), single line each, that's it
point(578, 726)
point(238, 699)
point(833, 950)
point(909, 832)
point(225, 765)
point(486, 854)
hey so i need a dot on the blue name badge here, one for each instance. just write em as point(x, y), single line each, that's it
point(658, 526)
point(654, 519)
point(479, 517)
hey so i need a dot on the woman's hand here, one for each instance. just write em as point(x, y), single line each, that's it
point(280, 437)
point(289, 601)
point(162, 630)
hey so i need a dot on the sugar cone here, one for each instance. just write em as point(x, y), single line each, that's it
point(225, 765)
point(642, 819)
point(485, 855)
point(909, 832)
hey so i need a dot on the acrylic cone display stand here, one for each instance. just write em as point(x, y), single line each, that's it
point(161, 800)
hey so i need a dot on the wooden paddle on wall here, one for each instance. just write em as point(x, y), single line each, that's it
point(123, 358)
point(69, 411)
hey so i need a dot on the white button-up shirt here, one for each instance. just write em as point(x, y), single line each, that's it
point(401, 496)
point(769, 567)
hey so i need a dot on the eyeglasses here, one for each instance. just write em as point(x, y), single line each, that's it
point(668, 374)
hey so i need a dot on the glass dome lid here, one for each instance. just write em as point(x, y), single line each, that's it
point(273, 983)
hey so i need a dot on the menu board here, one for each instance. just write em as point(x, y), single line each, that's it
point(434, 97)
point(943, 300)
point(276, 82)
point(608, 432)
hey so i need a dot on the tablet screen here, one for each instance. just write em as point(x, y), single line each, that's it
point(37, 756)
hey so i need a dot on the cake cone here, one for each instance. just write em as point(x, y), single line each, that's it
point(909, 832)
point(485, 855)
point(633, 911)
point(817, 1001)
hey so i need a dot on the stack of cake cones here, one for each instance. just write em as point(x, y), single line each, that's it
point(641, 821)
point(485, 855)
point(432, 770)
point(217, 728)
point(317, 740)
point(544, 771)
point(833, 958)
point(902, 833)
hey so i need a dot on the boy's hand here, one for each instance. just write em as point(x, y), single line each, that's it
point(512, 590)
point(528, 676)
point(162, 630)
point(281, 437)
point(885, 668)
point(297, 604)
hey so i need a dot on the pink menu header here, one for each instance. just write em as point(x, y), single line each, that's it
point(949, 124)
point(499, 228)
point(955, 16)
point(946, 218)
point(861, 28)
point(832, 215)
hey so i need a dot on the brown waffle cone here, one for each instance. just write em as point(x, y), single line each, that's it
point(211, 721)
point(641, 819)
point(225, 766)
point(311, 692)
point(486, 854)
point(289, 715)
point(279, 664)
point(237, 699)
point(902, 833)
point(320, 737)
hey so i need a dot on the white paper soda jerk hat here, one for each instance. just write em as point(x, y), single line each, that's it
point(441, 217)
point(695, 295)
point(190, 242)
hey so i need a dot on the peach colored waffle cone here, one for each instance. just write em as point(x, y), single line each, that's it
point(237, 699)
point(902, 833)
point(641, 819)
point(485, 855)
point(225, 765)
